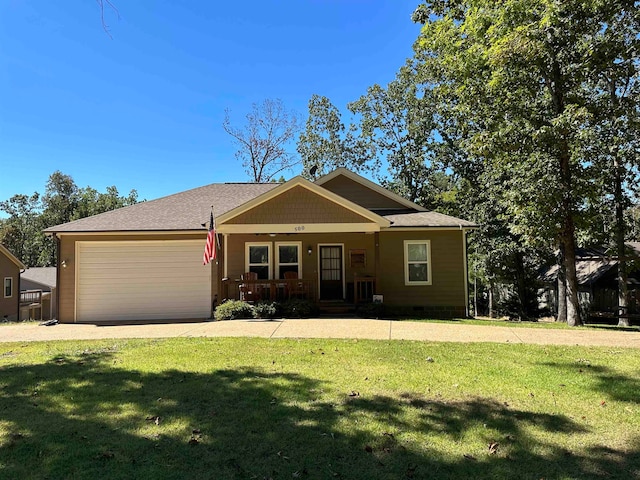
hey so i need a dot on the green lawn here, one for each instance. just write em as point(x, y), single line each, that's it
point(317, 409)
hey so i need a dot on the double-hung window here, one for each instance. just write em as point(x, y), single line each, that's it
point(288, 258)
point(417, 262)
point(8, 287)
point(258, 259)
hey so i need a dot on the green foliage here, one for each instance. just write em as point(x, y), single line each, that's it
point(371, 310)
point(298, 308)
point(62, 202)
point(233, 310)
point(266, 309)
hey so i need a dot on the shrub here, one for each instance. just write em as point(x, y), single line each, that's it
point(370, 310)
point(234, 309)
point(266, 309)
point(298, 308)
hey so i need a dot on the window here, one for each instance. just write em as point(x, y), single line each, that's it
point(8, 287)
point(258, 259)
point(417, 262)
point(288, 258)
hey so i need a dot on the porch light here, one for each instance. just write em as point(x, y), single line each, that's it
point(309, 249)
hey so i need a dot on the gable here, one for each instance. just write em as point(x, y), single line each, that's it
point(298, 205)
point(364, 192)
point(9, 258)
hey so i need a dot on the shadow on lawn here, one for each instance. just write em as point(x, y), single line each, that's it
point(610, 383)
point(83, 417)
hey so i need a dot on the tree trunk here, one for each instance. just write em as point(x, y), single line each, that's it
point(573, 303)
point(623, 295)
point(491, 315)
point(561, 299)
point(521, 286)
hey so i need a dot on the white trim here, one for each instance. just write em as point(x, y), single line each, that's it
point(300, 228)
point(277, 259)
point(426, 229)
point(302, 182)
point(369, 184)
point(466, 273)
point(130, 233)
point(4, 287)
point(269, 264)
point(406, 244)
point(344, 285)
point(224, 260)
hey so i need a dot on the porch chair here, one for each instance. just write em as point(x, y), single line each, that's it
point(296, 289)
point(249, 291)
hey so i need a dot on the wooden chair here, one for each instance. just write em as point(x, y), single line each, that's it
point(249, 288)
point(295, 289)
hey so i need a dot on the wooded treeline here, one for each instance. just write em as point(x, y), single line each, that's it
point(63, 201)
point(521, 115)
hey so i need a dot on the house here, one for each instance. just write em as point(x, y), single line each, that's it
point(597, 274)
point(10, 268)
point(38, 293)
point(342, 239)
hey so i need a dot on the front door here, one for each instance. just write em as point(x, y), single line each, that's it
point(331, 275)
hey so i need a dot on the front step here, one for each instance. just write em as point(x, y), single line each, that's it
point(337, 308)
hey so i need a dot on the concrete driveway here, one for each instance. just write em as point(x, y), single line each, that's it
point(327, 328)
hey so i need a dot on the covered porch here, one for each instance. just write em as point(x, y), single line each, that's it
point(318, 267)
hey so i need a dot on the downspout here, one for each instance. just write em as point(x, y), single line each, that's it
point(22, 270)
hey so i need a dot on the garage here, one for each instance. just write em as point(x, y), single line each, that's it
point(141, 280)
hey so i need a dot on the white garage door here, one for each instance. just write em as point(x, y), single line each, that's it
point(141, 280)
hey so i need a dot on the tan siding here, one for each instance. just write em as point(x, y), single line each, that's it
point(360, 194)
point(447, 269)
point(298, 205)
point(67, 288)
point(9, 306)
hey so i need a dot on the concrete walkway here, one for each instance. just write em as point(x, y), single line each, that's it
point(327, 328)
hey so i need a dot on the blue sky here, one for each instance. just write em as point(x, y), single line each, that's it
point(144, 108)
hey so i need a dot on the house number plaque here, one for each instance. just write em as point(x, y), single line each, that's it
point(299, 228)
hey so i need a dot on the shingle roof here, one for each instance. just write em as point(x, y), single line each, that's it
point(427, 219)
point(181, 211)
point(42, 275)
point(186, 211)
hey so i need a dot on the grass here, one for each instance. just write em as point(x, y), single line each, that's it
point(546, 324)
point(317, 409)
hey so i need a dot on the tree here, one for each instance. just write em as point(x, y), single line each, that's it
point(264, 138)
point(513, 76)
point(21, 231)
point(63, 201)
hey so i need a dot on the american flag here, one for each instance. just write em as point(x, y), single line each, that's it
point(210, 247)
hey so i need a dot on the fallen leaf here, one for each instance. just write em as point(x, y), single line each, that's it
point(194, 441)
point(469, 457)
point(354, 394)
point(493, 448)
point(153, 418)
point(368, 448)
point(196, 431)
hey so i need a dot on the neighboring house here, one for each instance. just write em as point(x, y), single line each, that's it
point(341, 239)
point(10, 268)
point(597, 274)
point(38, 293)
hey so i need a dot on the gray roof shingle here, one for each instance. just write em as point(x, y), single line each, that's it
point(182, 211)
point(188, 210)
